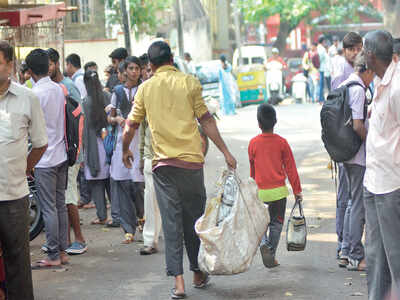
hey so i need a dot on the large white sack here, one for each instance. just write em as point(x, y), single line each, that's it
point(229, 247)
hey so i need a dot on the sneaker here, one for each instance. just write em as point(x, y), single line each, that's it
point(267, 256)
point(147, 250)
point(44, 248)
point(343, 261)
point(76, 248)
point(356, 265)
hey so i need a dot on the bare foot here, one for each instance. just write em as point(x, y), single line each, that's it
point(64, 258)
point(179, 284)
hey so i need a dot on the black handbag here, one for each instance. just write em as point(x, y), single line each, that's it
point(296, 231)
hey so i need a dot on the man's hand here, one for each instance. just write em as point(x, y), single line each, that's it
point(299, 197)
point(230, 161)
point(127, 158)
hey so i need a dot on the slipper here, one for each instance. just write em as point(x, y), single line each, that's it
point(98, 222)
point(129, 239)
point(88, 206)
point(204, 283)
point(174, 295)
point(44, 265)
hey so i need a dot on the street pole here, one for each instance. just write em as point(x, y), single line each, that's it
point(236, 12)
point(125, 22)
point(178, 9)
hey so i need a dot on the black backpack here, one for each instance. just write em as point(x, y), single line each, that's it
point(338, 135)
point(74, 122)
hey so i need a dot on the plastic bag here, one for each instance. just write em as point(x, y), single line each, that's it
point(232, 227)
point(296, 232)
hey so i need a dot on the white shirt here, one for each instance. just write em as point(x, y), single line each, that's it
point(52, 101)
point(383, 142)
point(20, 118)
point(77, 78)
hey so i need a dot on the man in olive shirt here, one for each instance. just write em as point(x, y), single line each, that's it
point(171, 101)
point(20, 118)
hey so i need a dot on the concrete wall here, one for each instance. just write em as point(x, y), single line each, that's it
point(197, 39)
point(95, 29)
point(92, 50)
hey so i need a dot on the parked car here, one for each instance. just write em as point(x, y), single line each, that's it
point(207, 73)
point(251, 55)
point(294, 67)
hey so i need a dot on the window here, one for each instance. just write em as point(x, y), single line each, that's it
point(257, 60)
point(82, 15)
point(85, 11)
point(74, 14)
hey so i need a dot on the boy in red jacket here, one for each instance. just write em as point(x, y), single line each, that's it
point(271, 161)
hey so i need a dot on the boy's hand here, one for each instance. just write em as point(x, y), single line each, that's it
point(298, 197)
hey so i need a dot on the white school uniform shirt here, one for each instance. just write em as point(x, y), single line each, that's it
point(52, 101)
point(20, 118)
point(77, 78)
point(382, 174)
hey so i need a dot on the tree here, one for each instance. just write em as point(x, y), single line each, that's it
point(292, 12)
point(392, 16)
point(143, 14)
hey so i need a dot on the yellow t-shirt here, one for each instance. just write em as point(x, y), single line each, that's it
point(274, 194)
point(171, 101)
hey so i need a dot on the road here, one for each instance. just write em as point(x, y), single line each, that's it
point(110, 270)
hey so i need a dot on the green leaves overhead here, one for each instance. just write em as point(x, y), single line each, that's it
point(142, 13)
point(293, 12)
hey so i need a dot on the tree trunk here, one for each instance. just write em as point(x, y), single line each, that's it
point(391, 16)
point(284, 31)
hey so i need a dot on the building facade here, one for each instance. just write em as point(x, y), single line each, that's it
point(88, 22)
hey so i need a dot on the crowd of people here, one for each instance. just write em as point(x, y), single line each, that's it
point(152, 174)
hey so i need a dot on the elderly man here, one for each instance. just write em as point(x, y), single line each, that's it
point(20, 117)
point(174, 98)
point(382, 175)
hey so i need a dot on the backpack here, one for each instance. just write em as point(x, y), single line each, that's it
point(124, 106)
point(315, 60)
point(338, 135)
point(74, 122)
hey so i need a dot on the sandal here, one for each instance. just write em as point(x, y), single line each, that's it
point(88, 206)
point(98, 222)
point(45, 265)
point(129, 239)
point(204, 283)
point(175, 295)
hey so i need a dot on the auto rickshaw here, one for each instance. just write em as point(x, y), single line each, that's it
point(252, 84)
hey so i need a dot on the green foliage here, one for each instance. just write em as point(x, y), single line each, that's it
point(292, 12)
point(142, 13)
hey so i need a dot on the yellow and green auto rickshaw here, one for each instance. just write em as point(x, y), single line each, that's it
point(252, 84)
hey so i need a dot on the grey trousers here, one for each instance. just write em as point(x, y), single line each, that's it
point(357, 214)
point(181, 197)
point(124, 192)
point(97, 193)
point(343, 209)
point(14, 240)
point(382, 242)
point(139, 203)
point(277, 211)
point(52, 183)
point(115, 210)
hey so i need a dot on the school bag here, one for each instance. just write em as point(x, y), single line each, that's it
point(124, 106)
point(338, 135)
point(74, 122)
point(315, 60)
